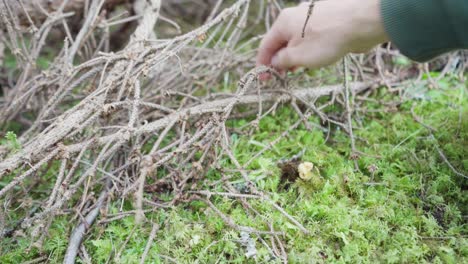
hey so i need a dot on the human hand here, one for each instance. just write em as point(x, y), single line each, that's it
point(335, 28)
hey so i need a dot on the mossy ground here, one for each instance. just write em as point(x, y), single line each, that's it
point(405, 205)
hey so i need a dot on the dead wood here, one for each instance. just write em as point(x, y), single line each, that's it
point(32, 13)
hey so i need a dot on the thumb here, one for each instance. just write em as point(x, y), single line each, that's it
point(286, 58)
point(311, 56)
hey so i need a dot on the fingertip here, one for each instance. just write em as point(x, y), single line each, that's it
point(264, 76)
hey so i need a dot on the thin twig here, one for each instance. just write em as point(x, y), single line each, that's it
point(152, 235)
point(309, 14)
point(79, 232)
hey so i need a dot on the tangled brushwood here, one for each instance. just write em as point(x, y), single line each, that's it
point(108, 121)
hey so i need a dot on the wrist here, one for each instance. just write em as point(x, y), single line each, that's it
point(367, 23)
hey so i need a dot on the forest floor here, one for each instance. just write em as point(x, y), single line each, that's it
point(406, 202)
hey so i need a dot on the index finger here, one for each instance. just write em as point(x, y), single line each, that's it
point(273, 41)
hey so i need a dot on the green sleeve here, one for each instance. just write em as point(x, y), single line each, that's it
point(424, 29)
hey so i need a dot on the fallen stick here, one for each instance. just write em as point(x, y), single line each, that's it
point(152, 235)
point(78, 234)
point(35, 12)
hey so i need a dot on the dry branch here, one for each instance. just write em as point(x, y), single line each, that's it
point(79, 232)
point(34, 12)
point(15, 161)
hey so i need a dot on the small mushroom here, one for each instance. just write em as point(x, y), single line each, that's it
point(307, 171)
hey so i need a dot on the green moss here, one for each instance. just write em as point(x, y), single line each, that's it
point(405, 205)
